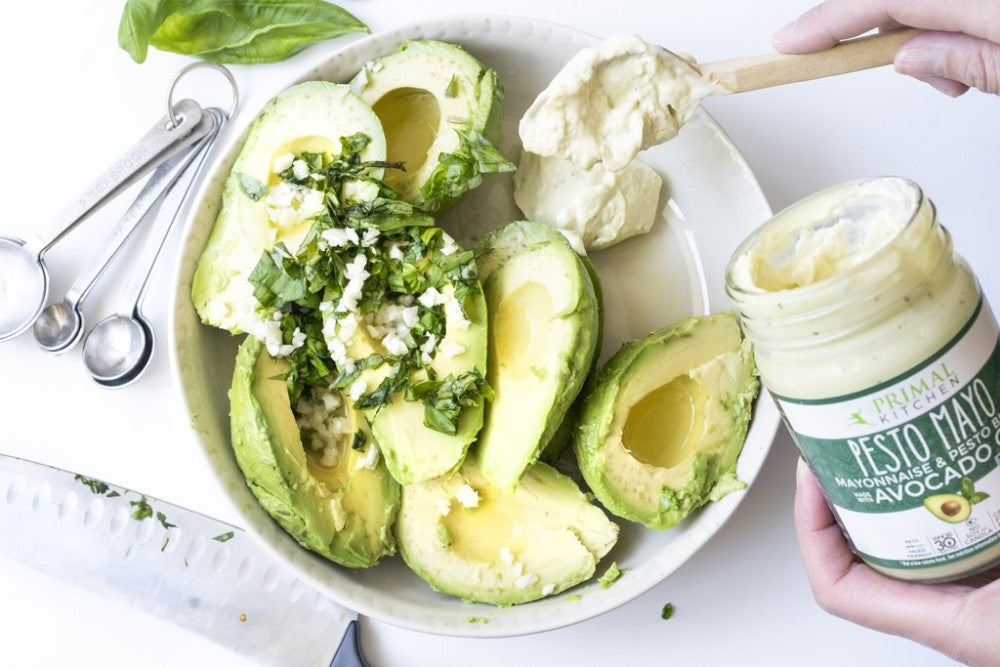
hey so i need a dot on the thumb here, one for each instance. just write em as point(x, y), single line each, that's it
point(939, 57)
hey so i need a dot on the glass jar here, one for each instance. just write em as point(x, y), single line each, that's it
point(874, 340)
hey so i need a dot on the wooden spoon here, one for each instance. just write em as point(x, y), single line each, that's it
point(744, 74)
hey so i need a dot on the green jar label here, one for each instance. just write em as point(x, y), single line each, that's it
point(911, 465)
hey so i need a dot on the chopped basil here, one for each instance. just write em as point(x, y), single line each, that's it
point(461, 171)
point(452, 89)
point(668, 611)
point(224, 537)
point(95, 485)
point(359, 440)
point(251, 187)
point(142, 509)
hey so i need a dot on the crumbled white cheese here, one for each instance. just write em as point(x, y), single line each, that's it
point(526, 580)
point(394, 345)
point(454, 315)
point(507, 556)
point(357, 388)
point(339, 515)
point(300, 170)
point(395, 252)
point(443, 506)
point(370, 458)
point(282, 162)
point(518, 568)
point(548, 589)
point(429, 343)
point(369, 237)
point(449, 350)
point(467, 496)
point(449, 247)
point(431, 297)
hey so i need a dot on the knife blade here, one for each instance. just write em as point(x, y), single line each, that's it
point(201, 574)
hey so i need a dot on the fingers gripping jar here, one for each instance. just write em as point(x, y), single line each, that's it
point(873, 338)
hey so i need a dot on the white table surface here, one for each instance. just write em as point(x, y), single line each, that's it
point(74, 101)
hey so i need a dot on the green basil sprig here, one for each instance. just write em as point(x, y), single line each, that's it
point(231, 31)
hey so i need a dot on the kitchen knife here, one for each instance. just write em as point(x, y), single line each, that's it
point(199, 573)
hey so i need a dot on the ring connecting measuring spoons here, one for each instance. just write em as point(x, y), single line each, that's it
point(118, 350)
point(60, 325)
point(24, 279)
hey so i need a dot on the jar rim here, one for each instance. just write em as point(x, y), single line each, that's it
point(736, 290)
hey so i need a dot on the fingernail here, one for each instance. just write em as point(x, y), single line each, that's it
point(801, 470)
point(920, 60)
point(785, 32)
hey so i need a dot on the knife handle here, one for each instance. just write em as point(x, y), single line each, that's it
point(349, 652)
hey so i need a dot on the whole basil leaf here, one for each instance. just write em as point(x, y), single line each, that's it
point(231, 31)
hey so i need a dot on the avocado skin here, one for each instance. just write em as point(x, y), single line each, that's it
point(493, 253)
point(286, 490)
point(709, 475)
point(936, 505)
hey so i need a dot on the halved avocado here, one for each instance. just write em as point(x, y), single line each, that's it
point(663, 422)
point(545, 324)
point(311, 116)
point(563, 437)
point(342, 512)
point(512, 546)
point(949, 507)
point(412, 451)
point(423, 94)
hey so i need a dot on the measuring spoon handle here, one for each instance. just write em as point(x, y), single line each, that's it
point(174, 200)
point(160, 143)
point(153, 191)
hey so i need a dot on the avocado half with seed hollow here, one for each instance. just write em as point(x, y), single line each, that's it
point(663, 422)
point(544, 327)
point(512, 546)
point(949, 507)
point(424, 94)
point(311, 116)
point(342, 512)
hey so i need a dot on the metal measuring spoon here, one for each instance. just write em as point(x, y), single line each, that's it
point(60, 325)
point(118, 350)
point(24, 280)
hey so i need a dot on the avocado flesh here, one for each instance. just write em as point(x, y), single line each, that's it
point(311, 116)
point(949, 507)
point(563, 436)
point(664, 421)
point(554, 535)
point(344, 513)
point(422, 93)
point(545, 324)
point(412, 451)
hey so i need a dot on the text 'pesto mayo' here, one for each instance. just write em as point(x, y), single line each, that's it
point(876, 343)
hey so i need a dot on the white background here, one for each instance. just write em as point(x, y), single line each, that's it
point(73, 101)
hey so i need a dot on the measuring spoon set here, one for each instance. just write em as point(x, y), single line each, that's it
point(118, 349)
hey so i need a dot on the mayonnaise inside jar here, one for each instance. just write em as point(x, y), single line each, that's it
point(874, 339)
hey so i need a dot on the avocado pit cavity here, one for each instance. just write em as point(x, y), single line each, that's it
point(659, 427)
point(410, 118)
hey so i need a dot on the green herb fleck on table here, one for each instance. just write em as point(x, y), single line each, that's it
point(476, 619)
point(573, 597)
point(231, 31)
point(224, 537)
point(610, 576)
point(668, 611)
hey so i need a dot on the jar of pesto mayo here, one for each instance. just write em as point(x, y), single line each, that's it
point(873, 338)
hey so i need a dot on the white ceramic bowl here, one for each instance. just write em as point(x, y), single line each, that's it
point(711, 201)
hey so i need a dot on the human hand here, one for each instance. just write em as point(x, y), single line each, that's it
point(959, 620)
point(961, 49)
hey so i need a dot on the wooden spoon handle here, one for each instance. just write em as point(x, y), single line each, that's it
point(743, 74)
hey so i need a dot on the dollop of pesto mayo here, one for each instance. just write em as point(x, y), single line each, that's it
point(611, 101)
point(873, 338)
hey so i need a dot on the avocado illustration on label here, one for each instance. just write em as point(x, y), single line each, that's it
point(955, 507)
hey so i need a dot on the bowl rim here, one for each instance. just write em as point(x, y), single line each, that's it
point(766, 416)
